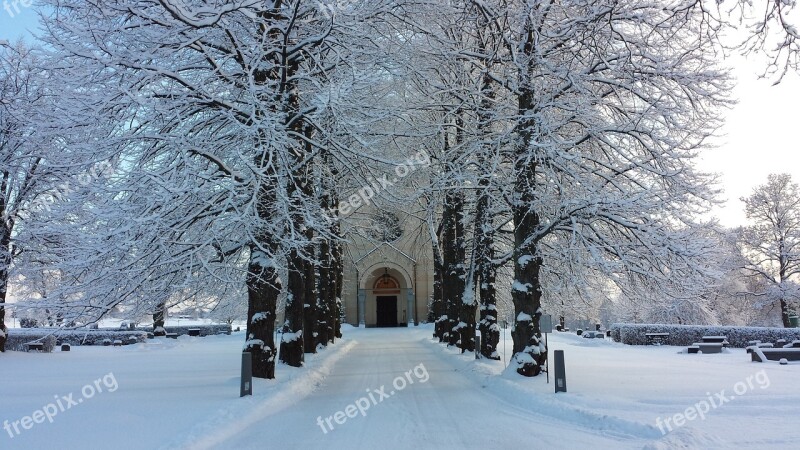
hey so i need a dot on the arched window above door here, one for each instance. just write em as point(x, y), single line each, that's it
point(386, 281)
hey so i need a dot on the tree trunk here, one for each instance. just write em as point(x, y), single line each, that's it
point(529, 350)
point(5, 261)
point(263, 289)
point(437, 306)
point(486, 275)
point(785, 313)
point(5, 264)
point(3, 327)
point(298, 186)
point(292, 342)
point(330, 295)
point(159, 317)
point(328, 256)
point(311, 331)
point(454, 255)
point(490, 330)
point(467, 326)
point(339, 264)
point(461, 315)
point(310, 312)
point(466, 313)
point(324, 309)
point(784, 262)
point(264, 286)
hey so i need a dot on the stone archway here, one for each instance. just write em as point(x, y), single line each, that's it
point(385, 296)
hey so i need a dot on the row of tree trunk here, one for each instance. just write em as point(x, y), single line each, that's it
point(455, 305)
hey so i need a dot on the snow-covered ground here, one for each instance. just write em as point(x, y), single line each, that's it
point(394, 388)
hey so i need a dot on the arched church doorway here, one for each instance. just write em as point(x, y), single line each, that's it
point(385, 296)
point(386, 290)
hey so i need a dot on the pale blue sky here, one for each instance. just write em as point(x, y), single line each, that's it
point(15, 23)
point(761, 132)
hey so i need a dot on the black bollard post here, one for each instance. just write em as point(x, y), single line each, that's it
point(247, 375)
point(561, 375)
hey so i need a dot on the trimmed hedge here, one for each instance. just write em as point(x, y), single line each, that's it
point(205, 330)
point(17, 338)
point(682, 335)
point(96, 337)
point(52, 337)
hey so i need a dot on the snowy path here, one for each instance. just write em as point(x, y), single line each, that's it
point(448, 410)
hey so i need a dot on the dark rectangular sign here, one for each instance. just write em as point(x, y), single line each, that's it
point(561, 374)
point(247, 375)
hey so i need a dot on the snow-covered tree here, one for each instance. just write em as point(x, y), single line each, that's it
point(38, 165)
point(604, 135)
point(771, 244)
point(223, 113)
point(230, 308)
point(771, 30)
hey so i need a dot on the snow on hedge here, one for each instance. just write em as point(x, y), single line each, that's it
point(635, 334)
point(205, 330)
point(17, 339)
point(51, 337)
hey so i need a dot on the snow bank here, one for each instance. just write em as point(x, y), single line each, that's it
point(519, 392)
point(269, 398)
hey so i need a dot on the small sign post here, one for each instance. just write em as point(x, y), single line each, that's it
point(247, 375)
point(546, 326)
point(546, 323)
point(477, 344)
point(505, 325)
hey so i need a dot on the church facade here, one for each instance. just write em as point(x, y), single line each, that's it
point(388, 273)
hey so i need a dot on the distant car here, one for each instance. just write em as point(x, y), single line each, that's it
point(184, 316)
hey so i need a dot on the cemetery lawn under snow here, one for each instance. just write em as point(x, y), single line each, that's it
point(184, 394)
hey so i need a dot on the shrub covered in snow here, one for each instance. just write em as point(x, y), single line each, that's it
point(635, 334)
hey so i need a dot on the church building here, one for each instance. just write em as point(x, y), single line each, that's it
point(388, 273)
